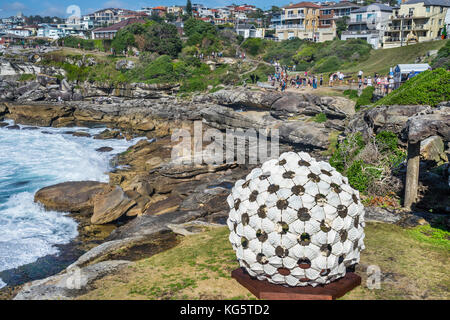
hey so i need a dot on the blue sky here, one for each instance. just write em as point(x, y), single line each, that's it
point(58, 7)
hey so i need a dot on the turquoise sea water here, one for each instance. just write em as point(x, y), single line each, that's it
point(29, 161)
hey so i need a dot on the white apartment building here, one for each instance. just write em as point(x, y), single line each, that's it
point(369, 23)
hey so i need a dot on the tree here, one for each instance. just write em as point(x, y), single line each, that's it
point(189, 8)
point(341, 25)
point(170, 17)
point(163, 38)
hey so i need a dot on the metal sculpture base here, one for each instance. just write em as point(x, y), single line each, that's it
point(269, 291)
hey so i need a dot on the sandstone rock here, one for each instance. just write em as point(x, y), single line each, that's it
point(75, 196)
point(81, 134)
point(433, 149)
point(42, 115)
point(146, 126)
point(104, 149)
point(111, 205)
point(108, 134)
point(170, 204)
point(124, 64)
point(429, 123)
point(382, 215)
point(153, 163)
point(69, 284)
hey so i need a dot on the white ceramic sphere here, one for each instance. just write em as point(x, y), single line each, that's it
point(296, 221)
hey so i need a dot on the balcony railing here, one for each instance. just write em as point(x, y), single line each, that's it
point(408, 27)
point(294, 16)
point(363, 32)
point(290, 26)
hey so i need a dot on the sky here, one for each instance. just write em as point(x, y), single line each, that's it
point(59, 7)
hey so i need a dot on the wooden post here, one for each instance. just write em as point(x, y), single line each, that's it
point(412, 174)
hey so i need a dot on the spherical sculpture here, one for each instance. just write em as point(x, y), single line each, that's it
point(296, 222)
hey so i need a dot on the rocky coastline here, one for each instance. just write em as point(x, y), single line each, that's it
point(150, 198)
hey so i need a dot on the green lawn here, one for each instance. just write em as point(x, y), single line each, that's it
point(380, 60)
point(413, 262)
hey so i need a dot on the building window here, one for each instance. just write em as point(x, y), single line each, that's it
point(359, 17)
point(428, 9)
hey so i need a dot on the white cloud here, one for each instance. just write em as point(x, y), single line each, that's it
point(113, 4)
point(14, 6)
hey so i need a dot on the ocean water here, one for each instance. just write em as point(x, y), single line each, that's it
point(29, 161)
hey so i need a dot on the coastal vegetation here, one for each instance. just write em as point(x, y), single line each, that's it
point(368, 163)
point(428, 88)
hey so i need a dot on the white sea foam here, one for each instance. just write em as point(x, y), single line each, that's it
point(30, 160)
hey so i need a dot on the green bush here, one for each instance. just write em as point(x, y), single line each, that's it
point(346, 151)
point(193, 84)
point(85, 44)
point(365, 164)
point(284, 51)
point(27, 77)
point(360, 175)
point(427, 88)
point(328, 64)
point(352, 94)
point(387, 141)
point(253, 46)
point(320, 117)
point(365, 98)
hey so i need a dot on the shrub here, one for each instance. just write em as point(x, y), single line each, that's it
point(428, 88)
point(328, 64)
point(86, 44)
point(386, 140)
point(320, 117)
point(352, 94)
point(366, 164)
point(194, 84)
point(253, 46)
point(365, 98)
point(346, 151)
point(27, 77)
point(360, 175)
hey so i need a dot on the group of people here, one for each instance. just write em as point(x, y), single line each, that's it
point(213, 55)
point(383, 84)
point(282, 80)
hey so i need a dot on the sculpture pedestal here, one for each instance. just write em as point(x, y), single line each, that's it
point(269, 291)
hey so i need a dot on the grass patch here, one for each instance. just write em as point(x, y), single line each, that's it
point(27, 77)
point(381, 60)
point(414, 264)
point(320, 118)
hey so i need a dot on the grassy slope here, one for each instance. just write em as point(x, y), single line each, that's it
point(414, 263)
point(380, 60)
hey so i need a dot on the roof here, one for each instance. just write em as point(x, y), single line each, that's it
point(412, 67)
point(381, 7)
point(120, 25)
point(245, 26)
point(343, 4)
point(303, 4)
point(439, 3)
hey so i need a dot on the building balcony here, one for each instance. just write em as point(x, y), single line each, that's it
point(408, 27)
point(409, 16)
point(294, 16)
point(290, 26)
point(361, 32)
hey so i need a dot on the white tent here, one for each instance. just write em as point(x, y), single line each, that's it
point(401, 71)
